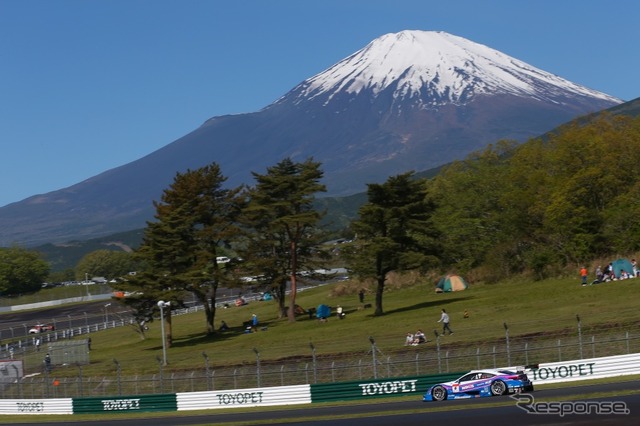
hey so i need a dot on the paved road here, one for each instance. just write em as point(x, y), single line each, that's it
point(17, 324)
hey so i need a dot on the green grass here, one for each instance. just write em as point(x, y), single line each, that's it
point(528, 308)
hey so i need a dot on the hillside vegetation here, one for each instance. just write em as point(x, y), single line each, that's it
point(544, 205)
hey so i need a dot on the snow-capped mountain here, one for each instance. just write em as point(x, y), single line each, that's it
point(436, 68)
point(407, 101)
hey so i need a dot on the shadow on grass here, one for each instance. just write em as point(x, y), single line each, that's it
point(203, 338)
point(429, 304)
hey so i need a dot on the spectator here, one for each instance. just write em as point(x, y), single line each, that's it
point(361, 295)
point(419, 338)
point(444, 319)
point(584, 274)
point(599, 274)
point(409, 339)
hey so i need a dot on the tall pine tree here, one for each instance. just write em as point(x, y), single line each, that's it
point(393, 232)
point(195, 219)
point(284, 221)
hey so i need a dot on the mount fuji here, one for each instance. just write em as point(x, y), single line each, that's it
point(412, 100)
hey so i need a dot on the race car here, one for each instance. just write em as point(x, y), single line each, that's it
point(479, 383)
point(41, 328)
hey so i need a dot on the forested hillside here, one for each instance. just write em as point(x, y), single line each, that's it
point(542, 205)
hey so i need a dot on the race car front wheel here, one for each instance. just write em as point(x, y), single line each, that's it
point(439, 393)
point(498, 388)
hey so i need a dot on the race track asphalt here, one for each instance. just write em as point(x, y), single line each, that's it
point(481, 411)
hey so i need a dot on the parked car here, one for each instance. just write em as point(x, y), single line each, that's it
point(41, 328)
point(480, 383)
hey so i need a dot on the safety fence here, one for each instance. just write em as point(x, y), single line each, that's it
point(570, 370)
point(435, 357)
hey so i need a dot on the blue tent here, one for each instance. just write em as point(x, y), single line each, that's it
point(620, 265)
point(323, 312)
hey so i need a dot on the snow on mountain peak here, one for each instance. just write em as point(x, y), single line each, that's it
point(437, 67)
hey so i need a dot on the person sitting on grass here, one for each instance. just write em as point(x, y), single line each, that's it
point(409, 339)
point(419, 338)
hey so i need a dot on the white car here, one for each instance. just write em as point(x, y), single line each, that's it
point(41, 328)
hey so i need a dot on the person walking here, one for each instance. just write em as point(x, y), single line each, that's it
point(444, 319)
point(47, 363)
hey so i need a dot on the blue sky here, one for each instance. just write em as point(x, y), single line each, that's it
point(89, 85)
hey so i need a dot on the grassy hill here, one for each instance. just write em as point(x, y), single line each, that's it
point(533, 311)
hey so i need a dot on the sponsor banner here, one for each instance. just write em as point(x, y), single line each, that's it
point(256, 397)
point(377, 388)
point(36, 406)
point(119, 404)
point(583, 369)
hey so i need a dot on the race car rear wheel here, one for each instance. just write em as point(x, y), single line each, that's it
point(498, 388)
point(438, 393)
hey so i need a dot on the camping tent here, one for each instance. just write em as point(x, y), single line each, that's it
point(620, 265)
point(451, 283)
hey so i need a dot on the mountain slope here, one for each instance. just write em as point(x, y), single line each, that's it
point(407, 101)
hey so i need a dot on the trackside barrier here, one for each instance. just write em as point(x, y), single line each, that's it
point(36, 406)
point(256, 397)
point(583, 369)
point(138, 403)
point(401, 386)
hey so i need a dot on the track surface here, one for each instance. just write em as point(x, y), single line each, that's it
point(410, 413)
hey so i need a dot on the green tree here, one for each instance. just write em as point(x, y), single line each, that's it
point(467, 195)
point(394, 232)
point(194, 220)
point(61, 276)
point(21, 271)
point(105, 263)
point(284, 221)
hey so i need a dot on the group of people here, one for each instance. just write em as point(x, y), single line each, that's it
point(414, 339)
point(609, 274)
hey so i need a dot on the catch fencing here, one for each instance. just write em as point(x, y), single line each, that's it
point(438, 356)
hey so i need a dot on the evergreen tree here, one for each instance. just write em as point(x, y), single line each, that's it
point(393, 232)
point(282, 216)
point(194, 220)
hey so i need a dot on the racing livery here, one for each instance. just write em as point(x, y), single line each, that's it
point(41, 328)
point(479, 383)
